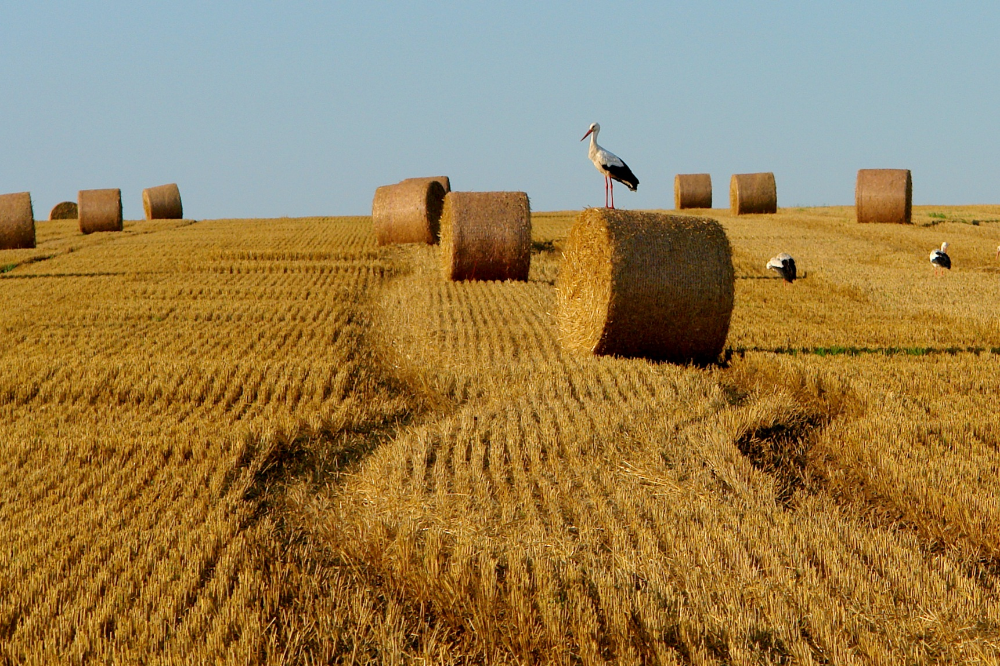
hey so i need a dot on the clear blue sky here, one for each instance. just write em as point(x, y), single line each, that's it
point(303, 108)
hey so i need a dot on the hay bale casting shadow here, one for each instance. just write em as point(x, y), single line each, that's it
point(100, 210)
point(66, 210)
point(162, 202)
point(17, 221)
point(692, 190)
point(753, 193)
point(645, 284)
point(408, 212)
point(486, 236)
point(884, 195)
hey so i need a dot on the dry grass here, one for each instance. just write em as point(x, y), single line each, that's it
point(274, 442)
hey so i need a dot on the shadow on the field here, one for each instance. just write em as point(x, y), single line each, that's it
point(837, 350)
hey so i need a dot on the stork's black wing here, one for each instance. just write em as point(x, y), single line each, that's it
point(788, 266)
point(623, 174)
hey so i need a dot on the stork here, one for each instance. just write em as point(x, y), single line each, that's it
point(783, 265)
point(940, 259)
point(610, 165)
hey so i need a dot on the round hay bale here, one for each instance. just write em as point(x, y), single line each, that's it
point(486, 236)
point(63, 211)
point(444, 180)
point(17, 221)
point(753, 193)
point(639, 284)
point(884, 195)
point(692, 190)
point(100, 210)
point(162, 202)
point(408, 212)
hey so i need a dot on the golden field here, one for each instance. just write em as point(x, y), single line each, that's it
point(270, 441)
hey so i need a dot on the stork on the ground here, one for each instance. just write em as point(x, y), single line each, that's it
point(610, 165)
point(940, 259)
point(783, 265)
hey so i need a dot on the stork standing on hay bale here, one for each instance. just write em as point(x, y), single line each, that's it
point(610, 165)
point(783, 265)
point(940, 259)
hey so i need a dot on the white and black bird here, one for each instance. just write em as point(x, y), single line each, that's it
point(783, 265)
point(610, 165)
point(940, 259)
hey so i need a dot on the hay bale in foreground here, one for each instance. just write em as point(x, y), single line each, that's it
point(162, 202)
point(884, 195)
point(100, 210)
point(65, 210)
point(408, 212)
point(486, 236)
point(692, 190)
point(17, 221)
point(444, 180)
point(640, 284)
point(753, 193)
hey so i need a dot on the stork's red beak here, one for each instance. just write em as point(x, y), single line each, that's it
point(588, 133)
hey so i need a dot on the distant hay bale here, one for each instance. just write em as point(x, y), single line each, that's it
point(408, 212)
point(639, 284)
point(692, 190)
point(17, 221)
point(444, 180)
point(63, 211)
point(162, 202)
point(100, 210)
point(884, 195)
point(753, 193)
point(486, 236)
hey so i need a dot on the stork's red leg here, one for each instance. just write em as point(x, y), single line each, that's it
point(605, 191)
point(612, 192)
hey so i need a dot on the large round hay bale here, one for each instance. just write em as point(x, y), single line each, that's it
point(753, 193)
point(100, 210)
point(408, 212)
point(65, 210)
point(162, 202)
point(486, 236)
point(884, 195)
point(444, 180)
point(641, 284)
point(17, 221)
point(692, 190)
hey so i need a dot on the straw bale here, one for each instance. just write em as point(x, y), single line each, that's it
point(692, 190)
point(486, 236)
point(753, 193)
point(65, 210)
point(162, 202)
point(444, 180)
point(17, 221)
point(100, 210)
point(408, 212)
point(884, 195)
point(640, 284)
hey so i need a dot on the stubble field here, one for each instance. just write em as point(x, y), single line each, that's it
point(270, 441)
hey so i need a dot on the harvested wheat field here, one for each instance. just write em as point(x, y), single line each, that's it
point(271, 441)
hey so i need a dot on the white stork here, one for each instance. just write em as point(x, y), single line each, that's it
point(940, 259)
point(783, 265)
point(610, 165)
